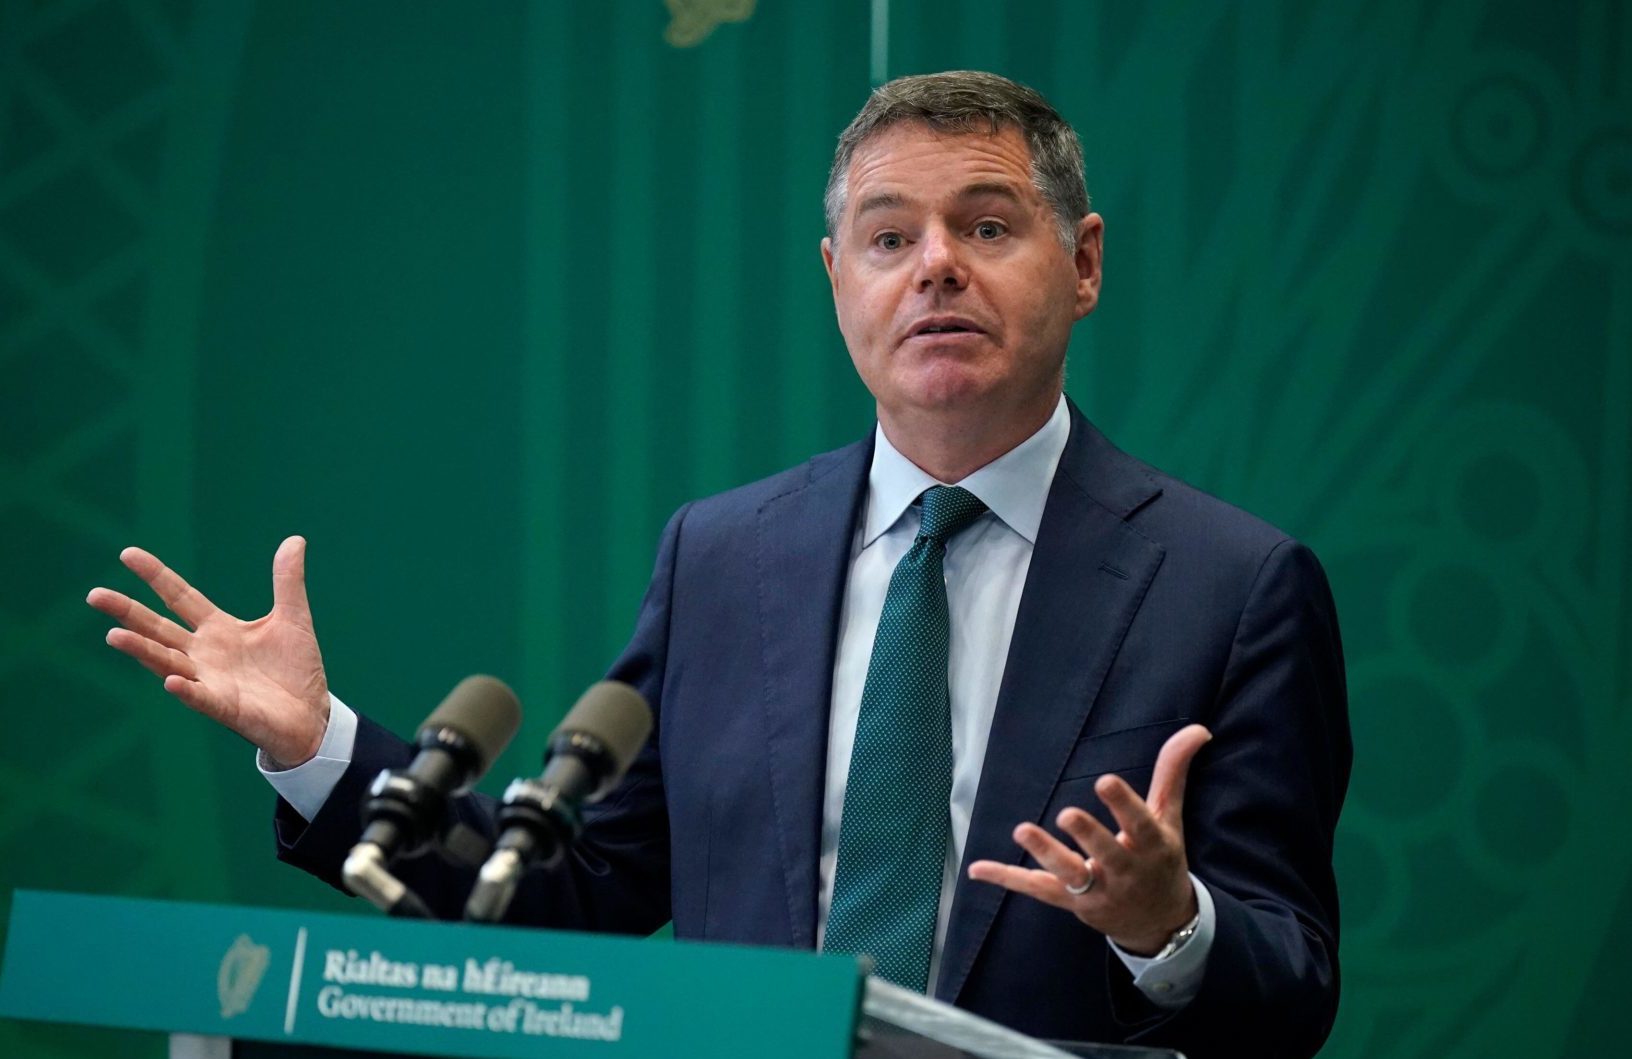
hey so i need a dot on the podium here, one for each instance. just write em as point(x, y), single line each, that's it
point(228, 982)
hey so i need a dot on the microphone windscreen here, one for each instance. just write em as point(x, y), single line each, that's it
point(615, 714)
point(485, 711)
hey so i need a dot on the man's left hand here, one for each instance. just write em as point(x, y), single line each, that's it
point(1140, 892)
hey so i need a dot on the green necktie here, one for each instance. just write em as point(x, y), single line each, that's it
point(893, 834)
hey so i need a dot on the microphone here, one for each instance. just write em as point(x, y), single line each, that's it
point(587, 755)
point(407, 808)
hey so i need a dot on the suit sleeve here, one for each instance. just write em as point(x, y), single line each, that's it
point(1261, 809)
point(615, 879)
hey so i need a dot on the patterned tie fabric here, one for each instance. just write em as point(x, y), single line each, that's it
point(896, 822)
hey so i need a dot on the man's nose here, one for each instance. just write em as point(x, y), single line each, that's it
point(941, 264)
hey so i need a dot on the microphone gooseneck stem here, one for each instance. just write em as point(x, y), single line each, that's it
point(540, 818)
point(366, 875)
point(534, 831)
point(495, 887)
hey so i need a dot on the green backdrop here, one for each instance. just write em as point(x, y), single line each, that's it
point(474, 295)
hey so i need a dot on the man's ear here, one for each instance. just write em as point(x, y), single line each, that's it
point(1090, 261)
point(827, 257)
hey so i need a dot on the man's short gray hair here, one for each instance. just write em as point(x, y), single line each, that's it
point(961, 101)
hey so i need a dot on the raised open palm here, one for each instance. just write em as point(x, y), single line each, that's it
point(1133, 886)
point(263, 678)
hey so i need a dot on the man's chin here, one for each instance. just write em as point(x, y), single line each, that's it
point(946, 388)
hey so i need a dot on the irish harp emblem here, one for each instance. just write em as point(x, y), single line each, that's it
point(240, 975)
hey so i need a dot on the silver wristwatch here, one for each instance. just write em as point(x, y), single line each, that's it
point(1180, 938)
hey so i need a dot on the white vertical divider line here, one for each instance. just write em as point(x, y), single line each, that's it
point(294, 982)
point(879, 68)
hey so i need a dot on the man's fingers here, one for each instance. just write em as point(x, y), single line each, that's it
point(195, 696)
point(1093, 838)
point(1133, 816)
point(187, 602)
point(1055, 856)
point(289, 579)
point(160, 660)
point(138, 618)
point(1172, 767)
point(1044, 886)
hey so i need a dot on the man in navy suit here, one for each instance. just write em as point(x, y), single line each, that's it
point(1081, 866)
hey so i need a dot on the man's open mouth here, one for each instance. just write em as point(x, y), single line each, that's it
point(944, 326)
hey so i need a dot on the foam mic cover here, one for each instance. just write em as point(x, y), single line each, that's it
point(614, 715)
point(484, 711)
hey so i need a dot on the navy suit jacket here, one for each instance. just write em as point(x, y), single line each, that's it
point(1148, 606)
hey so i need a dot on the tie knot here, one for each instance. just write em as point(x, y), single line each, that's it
point(946, 510)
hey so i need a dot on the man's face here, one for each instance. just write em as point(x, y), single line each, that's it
point(952, 288)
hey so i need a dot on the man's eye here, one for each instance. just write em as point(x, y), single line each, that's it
point(989, 229)
point(889, 241)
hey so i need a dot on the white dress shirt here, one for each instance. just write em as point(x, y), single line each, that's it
point(985, 570)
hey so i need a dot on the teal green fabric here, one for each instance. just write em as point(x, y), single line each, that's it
point(892, 839)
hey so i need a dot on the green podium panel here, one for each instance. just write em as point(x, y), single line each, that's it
point(415, 987)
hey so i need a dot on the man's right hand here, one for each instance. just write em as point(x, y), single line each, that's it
point(263, 678)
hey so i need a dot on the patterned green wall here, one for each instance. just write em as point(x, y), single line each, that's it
point(475, 295)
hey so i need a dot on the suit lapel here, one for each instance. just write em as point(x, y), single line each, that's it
point(1088, 576)
point(803, 550)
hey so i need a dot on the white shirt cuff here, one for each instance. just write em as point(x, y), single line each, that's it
point(1175, 981)
point(307, 786)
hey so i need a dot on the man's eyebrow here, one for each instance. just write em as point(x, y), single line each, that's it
point(890, 200)
point(886, 200)
point(989, 190)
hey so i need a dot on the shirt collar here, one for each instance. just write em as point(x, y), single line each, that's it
point(1014, 486)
